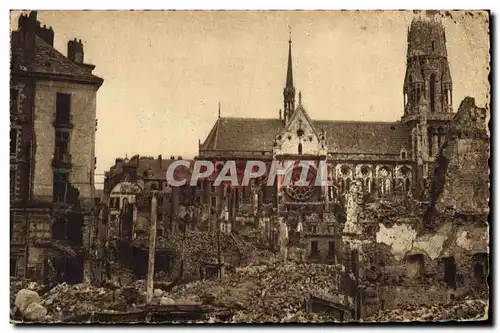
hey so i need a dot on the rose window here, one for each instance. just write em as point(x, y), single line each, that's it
point(301, 192)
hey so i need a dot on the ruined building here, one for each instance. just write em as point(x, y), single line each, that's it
point(387, 158)
point(52, 139)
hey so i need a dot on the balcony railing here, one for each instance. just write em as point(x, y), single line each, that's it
point(63, 121)
point(61, 160)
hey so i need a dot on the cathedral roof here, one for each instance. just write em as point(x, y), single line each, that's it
point(47, 60)
point(348, 137)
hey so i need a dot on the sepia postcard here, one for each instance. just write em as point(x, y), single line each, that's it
point(249, 166)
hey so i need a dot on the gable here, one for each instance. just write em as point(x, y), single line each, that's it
point(299, 137)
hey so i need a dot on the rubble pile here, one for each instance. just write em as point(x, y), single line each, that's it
point(268, 292)
point(459, 311)
point(72, 300)
point(199, 247)
point(397, 209)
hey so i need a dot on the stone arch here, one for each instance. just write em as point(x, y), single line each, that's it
point(384, 180)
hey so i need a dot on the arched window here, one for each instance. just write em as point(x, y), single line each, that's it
point(384, 180)
point(432, 92)
point(300, 148)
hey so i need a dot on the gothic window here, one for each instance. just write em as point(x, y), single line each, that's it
point(403, 154)
point(433, 45)
point(430, 138)
point(440, 133)
point(384, 180)
point(432, 92)
point(300, 148)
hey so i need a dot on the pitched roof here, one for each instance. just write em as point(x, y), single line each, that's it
point(348, 137)
point(47, 60)
point(243, 134)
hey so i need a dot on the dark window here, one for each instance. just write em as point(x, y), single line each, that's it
point(403, 154)
point(13, 266)
point(160, 202)
point(433, 46)
point(11, 226)
point(213, 202)
point(432, 92)
point(63, 106)
point(13, 100)
point(62, 145)
point(12, 183)
point(314, 249)
point(300, 148)
point(480, 266)
point(60, 186)
point(13, 141)
point(198, 199)
point(450, 272)
point(331, 249)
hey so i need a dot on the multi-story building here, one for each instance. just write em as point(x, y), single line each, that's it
point(387, 157)
point(52, 140)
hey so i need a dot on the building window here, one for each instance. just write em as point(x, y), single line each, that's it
point(480, 266)
point(63, 106)
point(198, 199)
point(12, 183)
point(300, 148)
point(415, 265)
point(331, 249)
point(60, 187)
point(403, 154)
point(433, 45)
point(432, 92)
point(62, 145)
point(11, 226)
point(213, 189)
point(13, 267)
point(213, 202)
point(13, 141)
point(314, 249)
point(14, 100)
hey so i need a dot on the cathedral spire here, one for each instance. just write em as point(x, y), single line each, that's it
point(289, 72)
point(289, 91)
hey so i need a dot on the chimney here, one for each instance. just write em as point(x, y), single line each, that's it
point(27, 26)
point(75, 51)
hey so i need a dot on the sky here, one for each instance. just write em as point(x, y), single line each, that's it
point(166, 71)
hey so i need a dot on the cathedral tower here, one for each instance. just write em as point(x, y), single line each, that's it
point(427, 89)
point(427, 85)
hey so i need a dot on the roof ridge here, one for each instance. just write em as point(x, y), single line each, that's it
point(248, 118)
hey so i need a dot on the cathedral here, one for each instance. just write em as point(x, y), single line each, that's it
point(385, 158)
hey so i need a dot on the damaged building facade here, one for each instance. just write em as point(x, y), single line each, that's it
point(388, 158)
point(409, 200)
point(52, 156)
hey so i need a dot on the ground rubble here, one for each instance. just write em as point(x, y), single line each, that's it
point(465, 310)
point(271, 291)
